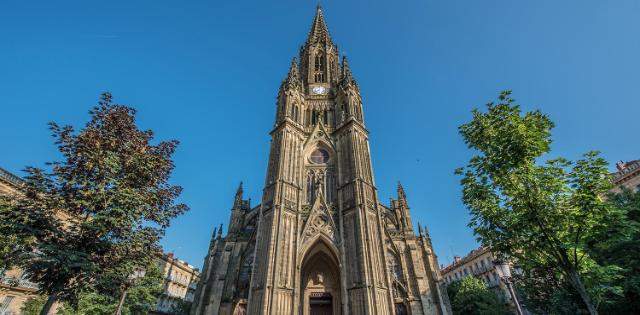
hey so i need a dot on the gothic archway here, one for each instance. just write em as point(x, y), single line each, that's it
point(320, 281)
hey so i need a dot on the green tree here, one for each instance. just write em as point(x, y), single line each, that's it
point(471, 296)
point(96, 215)
point(141, 299)
point(544, 291)
point(540, 214)
point(33, 305)
point(11, 245)
point(181, 307)
point(619, 244)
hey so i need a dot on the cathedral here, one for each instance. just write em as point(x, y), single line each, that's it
point(320, 241)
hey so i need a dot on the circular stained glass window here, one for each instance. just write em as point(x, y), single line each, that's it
point(319, 156)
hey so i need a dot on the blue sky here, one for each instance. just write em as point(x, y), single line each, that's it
point(207, 73)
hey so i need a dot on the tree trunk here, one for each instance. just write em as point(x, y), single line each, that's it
point(121, 303)
point(579, 286)
point(49, 308)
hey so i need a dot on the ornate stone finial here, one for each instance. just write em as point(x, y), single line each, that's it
point(293, 80)
point(214, 237)
point(402, 197)
point(347, 76)
point(220, 231)
point(419, 229)
point(239, 190)
point(237, 202)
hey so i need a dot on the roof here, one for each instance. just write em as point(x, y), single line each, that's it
point(471, 256)
point(10, 178)
point(626, 169)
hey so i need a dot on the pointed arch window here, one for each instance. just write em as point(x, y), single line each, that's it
point(294, 112)
point(311, 187)
point(319, 65)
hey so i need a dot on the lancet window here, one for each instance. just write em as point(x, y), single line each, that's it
point(320, 176)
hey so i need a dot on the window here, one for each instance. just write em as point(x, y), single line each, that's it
point(5, 303)
point(294, 113)
point(319, 68)
point(319, 156)
point(319, 62)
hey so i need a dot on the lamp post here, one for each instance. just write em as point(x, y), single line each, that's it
point(137, 274)
point(504, 272)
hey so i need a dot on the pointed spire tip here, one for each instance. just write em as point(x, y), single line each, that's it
point(319, 30)
point(239, 191)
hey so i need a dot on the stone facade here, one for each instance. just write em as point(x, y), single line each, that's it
point(628, 175)
point(180, 282)
point(15, 289)
point(320, 242)
point(480, 264)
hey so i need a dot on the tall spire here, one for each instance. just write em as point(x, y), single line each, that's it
point(319, 31)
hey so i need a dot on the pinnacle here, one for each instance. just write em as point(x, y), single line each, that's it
point(239, 191)
point(293, 68)
point(319, 30)
point(347, 76)
point(237, 201)
point(293, 77)
point(400, 190)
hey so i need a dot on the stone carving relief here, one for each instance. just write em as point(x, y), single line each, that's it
point(320, 221)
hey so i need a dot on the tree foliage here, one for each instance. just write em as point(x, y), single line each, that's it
point(540, 213)
point(97, 214)
point(471, 296)
point(619, 244)
point(141, 299)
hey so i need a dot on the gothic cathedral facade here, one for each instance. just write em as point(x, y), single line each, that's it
point(320, 242)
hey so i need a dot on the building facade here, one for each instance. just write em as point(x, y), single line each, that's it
point(320, 242)
point(179, 285)
point(15, 289)
point(628, 176)
point(480, 264)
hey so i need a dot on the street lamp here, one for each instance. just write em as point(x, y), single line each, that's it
point(504, 272)
point(137, 274)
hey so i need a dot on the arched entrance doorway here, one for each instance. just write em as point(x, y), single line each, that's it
point(320, 285)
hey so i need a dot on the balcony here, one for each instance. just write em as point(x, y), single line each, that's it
point(18, 283)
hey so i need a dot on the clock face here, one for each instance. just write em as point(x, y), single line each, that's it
point(319, 90)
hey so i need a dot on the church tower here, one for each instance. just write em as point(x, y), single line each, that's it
point(319, 200)
point(320, 242)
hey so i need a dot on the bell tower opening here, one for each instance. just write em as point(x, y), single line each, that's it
point(320, 285)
